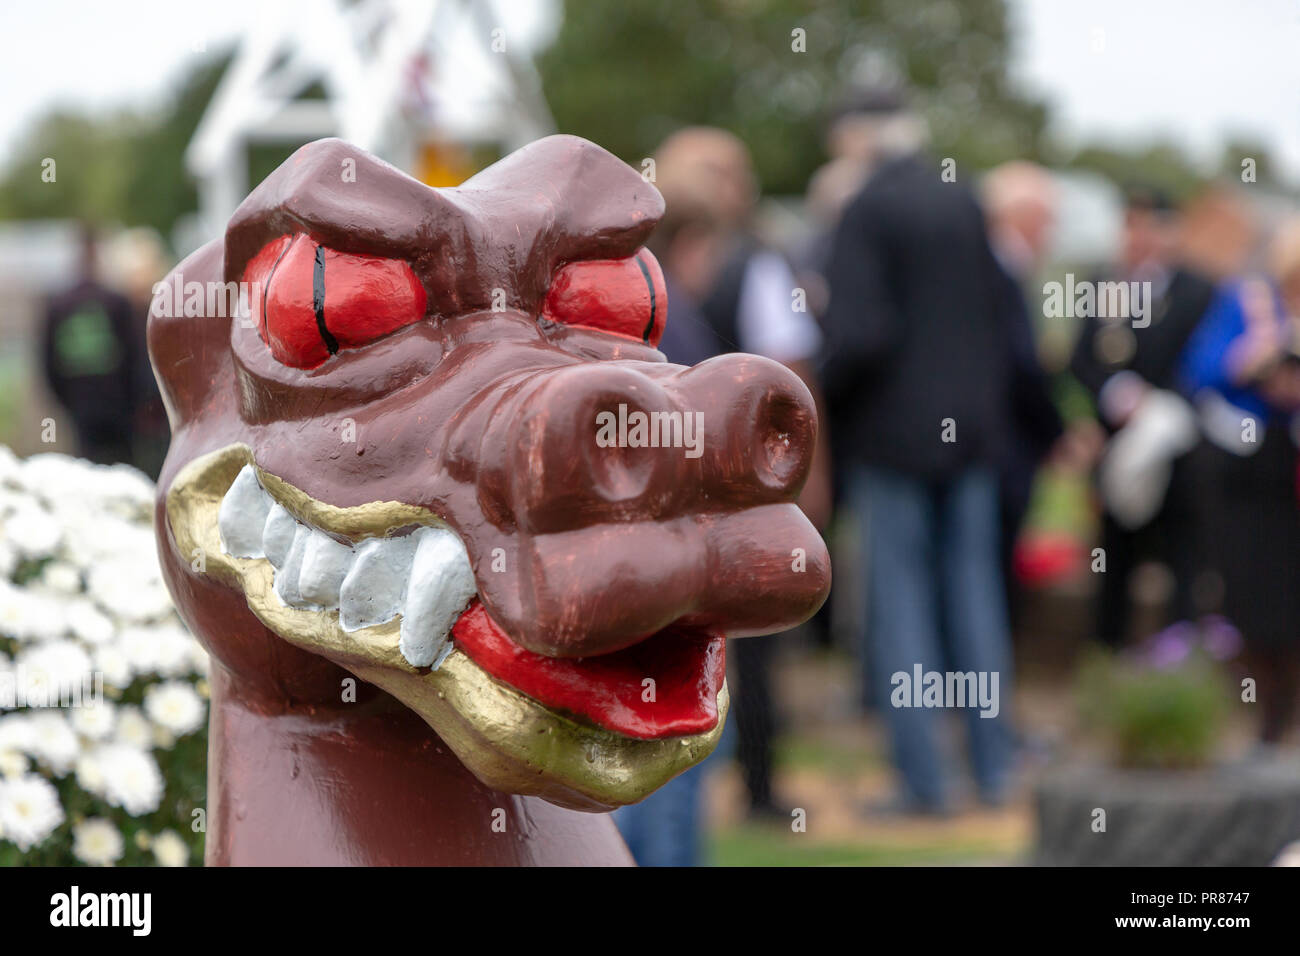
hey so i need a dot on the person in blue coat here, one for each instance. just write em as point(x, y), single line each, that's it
point(1241, 369)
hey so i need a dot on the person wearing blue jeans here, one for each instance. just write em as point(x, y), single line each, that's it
point(935, 598)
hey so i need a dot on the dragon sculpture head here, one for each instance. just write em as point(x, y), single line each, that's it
point(435, 448)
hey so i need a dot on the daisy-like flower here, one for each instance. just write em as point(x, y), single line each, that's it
point(89, 775)
point(142, 649)
point(61, 577)
point(133, 729)
point(170, 850)
point(132, 779)
point(33, 531)
point(53, 742)
point(173, 650)
point(13, 763)
point(112, 663)
point(63, 667)
point(97, 842)
point(87, 623)
point(29, 810)
point(30, 616)
point(175, 707)
point(94, 721)
point(127, 592)
point(15, 732)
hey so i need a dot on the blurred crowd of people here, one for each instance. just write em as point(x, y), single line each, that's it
point(912, 312)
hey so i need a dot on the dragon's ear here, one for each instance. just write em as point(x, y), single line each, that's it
point(188, 341)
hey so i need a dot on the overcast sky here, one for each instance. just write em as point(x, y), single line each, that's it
point(1198, 70)
point(1195, 70)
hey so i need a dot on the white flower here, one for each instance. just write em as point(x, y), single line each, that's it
point(96, 842)
point(61, 666)
point(89, 775)
point(15, 732)
point(173, 650)
point(29, 616)
point(87, 622)
point(13, 763)
point(123, 484)
point(53, 742)
point(175, 707)
point(33, 531)
point(170, 849)
point(61, 577)
point(142, 649)
point(94, 721)
point(132, 779)
point(127, 591)
point(133, 729)
point(29, 810)
point(112, 663)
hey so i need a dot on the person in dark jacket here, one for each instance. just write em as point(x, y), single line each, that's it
point(1131, 372)
point(916, 376)
point(91, 357)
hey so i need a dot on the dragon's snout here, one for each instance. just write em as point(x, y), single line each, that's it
point(626, 441)
point(644, 495)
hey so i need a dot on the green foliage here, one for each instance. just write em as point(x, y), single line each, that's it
point(122, 168)
point(1155, 718)
point(626, 73)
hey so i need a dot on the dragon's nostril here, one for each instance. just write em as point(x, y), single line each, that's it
point(619, 473)
point(760, 428)
point(780, 441)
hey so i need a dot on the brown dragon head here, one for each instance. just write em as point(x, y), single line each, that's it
point(432, 443)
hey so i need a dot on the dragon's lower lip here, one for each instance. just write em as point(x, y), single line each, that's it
point(664, 686)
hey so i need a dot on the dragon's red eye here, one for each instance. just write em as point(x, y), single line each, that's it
point(314, 301)
point(624, 296)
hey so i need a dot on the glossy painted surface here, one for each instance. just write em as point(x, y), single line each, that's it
point(484, 414)
point(311, 301)
point(687, 669)
point(623, 296)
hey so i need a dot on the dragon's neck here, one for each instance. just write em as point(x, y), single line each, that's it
point(373, 786)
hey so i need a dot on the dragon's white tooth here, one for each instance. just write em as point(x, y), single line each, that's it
point(373, 590)
point(440, 586)
point(286, 578)
point(277, 534)
point(242, 516)
point(325, 564)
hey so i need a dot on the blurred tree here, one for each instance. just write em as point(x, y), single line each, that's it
point(1161, 164)
point(626, 73)
point(123, 168)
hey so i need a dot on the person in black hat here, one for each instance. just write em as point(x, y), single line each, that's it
point(916, 373)
point(1130, 368)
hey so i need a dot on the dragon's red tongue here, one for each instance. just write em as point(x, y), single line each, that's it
point(687, 667)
